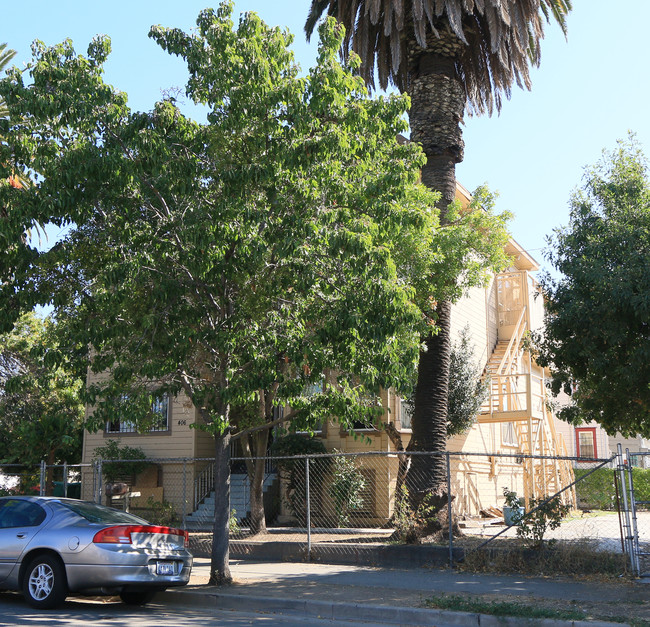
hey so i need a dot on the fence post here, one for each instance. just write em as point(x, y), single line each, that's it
point(99, 481)
point(449, 513)
point(65, 479)
point(628, 525)
point(308, 508)
point(41, 487)
point(184, 492)
point(634, 541)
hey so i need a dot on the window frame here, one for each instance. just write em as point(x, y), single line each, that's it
point(130, 427)
point(584, 430)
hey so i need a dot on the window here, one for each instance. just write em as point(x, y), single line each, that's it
point(159, 421)
point(586, 443)
point(508, 434)
point(19, 513)
point(405, 413)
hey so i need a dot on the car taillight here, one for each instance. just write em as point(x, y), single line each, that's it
point(121, 534)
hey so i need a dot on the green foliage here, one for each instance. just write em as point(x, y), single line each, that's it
point(6, 54)
point(294, 470)
point(598, 491)
point(296, 444)
point(467, 391)
point(541, 517)
point(410, 522)
point(512, 500)
point(248, 253)
point(233, 525)
point(41, 407)
point(348, 484)
point(596, 338)
point(160, 513)
point(121, 460)
point(502, 608)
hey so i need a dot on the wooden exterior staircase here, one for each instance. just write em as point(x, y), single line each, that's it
point(518, 391)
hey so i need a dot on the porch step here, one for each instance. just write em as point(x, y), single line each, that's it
point(202, 519)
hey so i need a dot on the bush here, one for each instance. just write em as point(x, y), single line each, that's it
point(160, 513)
point(409, 524)
point(131, 466)
point(543, 516)
point(597, 491)
point(347, 485)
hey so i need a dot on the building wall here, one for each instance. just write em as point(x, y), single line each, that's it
point(175, 478)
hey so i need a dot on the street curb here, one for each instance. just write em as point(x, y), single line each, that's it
point(389, 556)
point(389, 614)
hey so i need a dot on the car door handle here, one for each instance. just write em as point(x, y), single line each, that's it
point(21, 535)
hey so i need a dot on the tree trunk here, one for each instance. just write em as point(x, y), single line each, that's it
point(437, 106)
point(256, 474)
point(219, 565)
point(427, 473)
point(403, 465)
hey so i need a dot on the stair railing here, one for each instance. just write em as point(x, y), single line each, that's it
point(203, 484)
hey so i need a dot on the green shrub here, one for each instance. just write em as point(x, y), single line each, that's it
point(346, 488)
point(160, 513)
point(597, 491)
point(132, 465)
point(543, 515)
point(409, 523)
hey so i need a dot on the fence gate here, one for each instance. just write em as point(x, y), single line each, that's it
point(629, 505)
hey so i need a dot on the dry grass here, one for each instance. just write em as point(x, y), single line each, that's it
point(576, 558)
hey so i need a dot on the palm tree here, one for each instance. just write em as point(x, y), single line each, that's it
point(6, 55)
point(449, 56)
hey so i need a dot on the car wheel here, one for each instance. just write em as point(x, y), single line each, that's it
point(133, 596)
point(44, 584)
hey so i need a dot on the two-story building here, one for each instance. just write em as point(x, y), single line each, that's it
point(502, 449)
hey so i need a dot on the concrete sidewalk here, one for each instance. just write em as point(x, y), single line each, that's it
point(392, 596)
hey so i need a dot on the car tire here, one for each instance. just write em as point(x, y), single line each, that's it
point(135, 596)
point(44, 584)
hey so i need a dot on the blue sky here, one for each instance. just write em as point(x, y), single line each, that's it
point(588, 92)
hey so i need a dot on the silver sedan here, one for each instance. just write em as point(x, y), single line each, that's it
point(52, 546)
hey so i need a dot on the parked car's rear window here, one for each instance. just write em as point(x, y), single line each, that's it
point(100, 514)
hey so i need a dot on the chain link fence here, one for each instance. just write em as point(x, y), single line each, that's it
point(348, 500)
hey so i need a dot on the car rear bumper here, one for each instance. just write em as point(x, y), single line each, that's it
point(91, 576)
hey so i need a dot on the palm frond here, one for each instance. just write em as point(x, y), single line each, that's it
point(6, 55)
point(496, 41)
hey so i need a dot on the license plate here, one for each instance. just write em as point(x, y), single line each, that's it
point(165, 568)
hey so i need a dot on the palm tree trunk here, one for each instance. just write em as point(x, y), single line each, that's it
point(437, 105)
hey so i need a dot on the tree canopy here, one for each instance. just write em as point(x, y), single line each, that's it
point(285, 240)
point(597, 338)
point(41, 406)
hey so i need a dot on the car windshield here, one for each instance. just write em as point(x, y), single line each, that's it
point(99, 514)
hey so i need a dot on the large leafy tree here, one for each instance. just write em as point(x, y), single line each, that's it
point(597, 332)
point(237, 260)
point(41, 406)
point(449, 56)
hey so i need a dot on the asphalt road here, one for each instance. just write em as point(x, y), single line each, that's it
point(79, 612)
